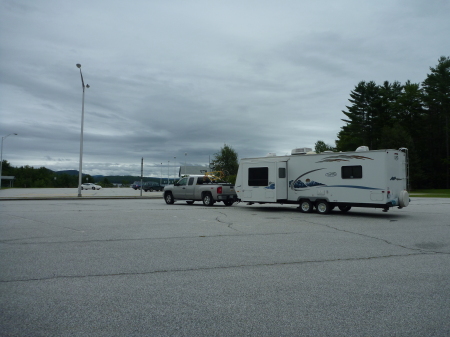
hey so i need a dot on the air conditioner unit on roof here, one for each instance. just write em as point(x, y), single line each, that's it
point(301, 150)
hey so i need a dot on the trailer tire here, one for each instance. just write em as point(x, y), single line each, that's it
point(228, 202)
point(168, 198)
point(207, 199)
point(306, 206)
point(345, 208)
point(323, 207)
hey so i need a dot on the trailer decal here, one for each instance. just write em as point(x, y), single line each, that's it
point(342, 157)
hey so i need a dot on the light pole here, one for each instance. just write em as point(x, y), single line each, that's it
point(160, 177)
point(174, 169)
point(168, 170)
point(81, 136)
point(1, 157)
point(185, 155)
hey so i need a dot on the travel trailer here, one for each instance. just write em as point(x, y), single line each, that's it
point(377, 179)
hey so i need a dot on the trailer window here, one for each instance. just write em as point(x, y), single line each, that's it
point(258, 176)
point(352, 172)
point(281, 172)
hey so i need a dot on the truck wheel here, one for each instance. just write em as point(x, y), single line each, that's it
point(228, 203)
point(306, 206)
point(190, 202)
point(323, 207)
point(168, 197)
point(208, 200)
point(344, 209)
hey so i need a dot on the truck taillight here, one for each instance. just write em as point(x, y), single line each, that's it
point(219, 190)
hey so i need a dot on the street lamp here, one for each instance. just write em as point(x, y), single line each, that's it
point(81, 136)
point(185, 155)
point(1, 157)
point(168, 170)
point(174, 169)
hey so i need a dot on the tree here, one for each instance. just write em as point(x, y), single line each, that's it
point(226, 160)
point(320, 146)
point(436, 89)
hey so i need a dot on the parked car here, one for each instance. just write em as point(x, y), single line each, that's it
point(136, 185)
point(90, 186)
point(151, 186)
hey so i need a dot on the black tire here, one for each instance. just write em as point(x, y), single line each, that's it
point(228, 202)
point(344, 209)
point(306, 206)
point(151, 189)
point(93, 188)
point(323, 207)
point(190, 202)
point(168, 198)
point(207, 199)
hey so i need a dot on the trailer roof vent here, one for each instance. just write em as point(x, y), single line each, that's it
point(301, 150)
point(271, 154)
point(362, 148)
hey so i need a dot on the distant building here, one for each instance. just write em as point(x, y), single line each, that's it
point(10, 178)
point(193, 170)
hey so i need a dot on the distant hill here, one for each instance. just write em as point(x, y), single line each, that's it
point(112, 179)
point(69, 172)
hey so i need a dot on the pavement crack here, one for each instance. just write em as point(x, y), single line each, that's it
point(371, 237)
point(229, 224)
point(177, 270)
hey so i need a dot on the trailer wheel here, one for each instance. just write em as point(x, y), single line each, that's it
point(323, 207)
point(168, 197)
point(207, 199)
point(344, 209)
point(228, 202)
point(306, 206)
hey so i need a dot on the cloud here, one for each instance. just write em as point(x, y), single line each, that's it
point(168, 78)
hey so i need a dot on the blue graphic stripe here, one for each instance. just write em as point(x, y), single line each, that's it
point(359, 187)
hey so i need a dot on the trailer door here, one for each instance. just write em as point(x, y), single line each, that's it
point(260, 182)
point(281, 186)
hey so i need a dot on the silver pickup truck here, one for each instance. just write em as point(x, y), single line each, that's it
point(200, 188)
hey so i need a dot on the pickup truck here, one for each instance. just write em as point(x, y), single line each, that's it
point(200, 188)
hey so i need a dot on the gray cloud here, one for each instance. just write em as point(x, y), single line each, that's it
point(169, 78)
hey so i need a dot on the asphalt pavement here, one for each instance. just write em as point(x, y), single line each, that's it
point(72, 193)
point(139, 267)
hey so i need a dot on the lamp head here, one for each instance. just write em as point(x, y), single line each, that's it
point(78, 65)
point(87, 85)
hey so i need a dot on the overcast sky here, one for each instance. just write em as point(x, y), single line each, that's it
point(173, 77)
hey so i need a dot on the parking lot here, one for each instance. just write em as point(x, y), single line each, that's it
point(139, 267)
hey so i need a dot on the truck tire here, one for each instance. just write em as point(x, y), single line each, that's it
point(306, 206)
point(228, 202)
point(207, 199)
point(168, 198)
point(323, 207)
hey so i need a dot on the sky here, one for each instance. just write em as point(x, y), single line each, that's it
point(174, 81)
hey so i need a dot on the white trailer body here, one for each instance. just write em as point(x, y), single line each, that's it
point(375, 179)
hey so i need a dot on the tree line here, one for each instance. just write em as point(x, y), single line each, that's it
point(411, 115)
